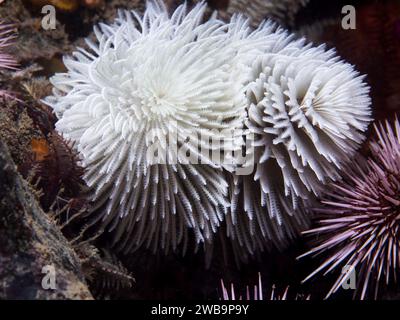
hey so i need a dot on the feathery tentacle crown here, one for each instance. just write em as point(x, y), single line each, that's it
point(359, 222)
point(158, 81)
point(307, 111)
point(155, 81)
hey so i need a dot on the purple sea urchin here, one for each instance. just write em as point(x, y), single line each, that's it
point(360, 219)
point(6, 60)
point(6, 37)
point(256, 293)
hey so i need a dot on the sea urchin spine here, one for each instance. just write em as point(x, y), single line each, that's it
point(360, 219)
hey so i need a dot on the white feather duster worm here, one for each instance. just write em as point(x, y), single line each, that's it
point(158, 81)
point(308, 112)
point(154, 88)
point(309, 115)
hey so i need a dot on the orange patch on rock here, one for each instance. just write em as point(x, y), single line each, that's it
point(40, 149)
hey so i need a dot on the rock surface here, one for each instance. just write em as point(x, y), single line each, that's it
point(32, 246)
